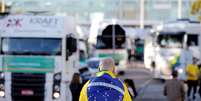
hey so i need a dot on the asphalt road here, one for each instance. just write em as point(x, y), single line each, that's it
point(149, 89)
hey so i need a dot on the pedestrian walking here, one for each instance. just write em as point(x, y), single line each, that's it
point(192, 71)
point(75, 86)
point(174, 88)
point(131, 88)
point(199, 91)
point(105, 86)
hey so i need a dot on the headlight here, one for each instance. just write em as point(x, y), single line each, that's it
point(56, 88)
point(2, 93)
point(2, 75)
point(57, 76)
point(56, 85)
point(56, 95)
point(56, 91)
point(180, 70)
point(1, 86)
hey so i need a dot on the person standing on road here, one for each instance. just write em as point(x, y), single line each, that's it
point(105, 86)
point(199, 91)
point(174, 88)
point(192, 71)
point(131, 88)
point(75, 86)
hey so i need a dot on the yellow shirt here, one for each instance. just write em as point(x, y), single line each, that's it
point(192, 72)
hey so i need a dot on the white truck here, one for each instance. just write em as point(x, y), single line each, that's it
point(38, 58)
point(171, 46)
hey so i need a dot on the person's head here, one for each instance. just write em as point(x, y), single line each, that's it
point(174, 74)
point(195, 60)
point(128, 82)
point(120, 73)
point(76, 78)
point(107, 64)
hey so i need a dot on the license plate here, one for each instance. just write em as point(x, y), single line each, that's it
point(27, 92)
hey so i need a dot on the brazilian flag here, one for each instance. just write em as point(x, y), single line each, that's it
point(175, 62)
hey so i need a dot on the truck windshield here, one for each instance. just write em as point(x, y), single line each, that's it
point(31, 46)
point(170, 40)
point(100, 44)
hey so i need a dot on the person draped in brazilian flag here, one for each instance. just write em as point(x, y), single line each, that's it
point(175, 62)
point(105, 86)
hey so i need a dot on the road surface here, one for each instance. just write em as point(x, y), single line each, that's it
point(148, 88)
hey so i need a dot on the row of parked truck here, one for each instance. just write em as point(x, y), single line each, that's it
point(39, 55)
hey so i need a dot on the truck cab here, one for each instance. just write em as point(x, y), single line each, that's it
point(171, 46)
point(38, 58)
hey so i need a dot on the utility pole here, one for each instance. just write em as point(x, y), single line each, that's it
point(113, 36)
point(141, 14)
point(179, 13)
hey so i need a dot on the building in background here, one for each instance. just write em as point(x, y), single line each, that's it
point(133, 13)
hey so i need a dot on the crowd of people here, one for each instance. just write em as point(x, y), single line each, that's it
point(174, 89)
point(106, 84)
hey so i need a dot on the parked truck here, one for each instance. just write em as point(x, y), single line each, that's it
point(171, 46)
point(38, 57)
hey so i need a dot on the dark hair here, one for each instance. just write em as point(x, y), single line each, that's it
point(174, 74)
point(76, 78)
point(130, 83)
point(121, 73)
point(195, 59)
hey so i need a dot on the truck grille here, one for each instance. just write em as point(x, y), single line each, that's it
point(28, 87)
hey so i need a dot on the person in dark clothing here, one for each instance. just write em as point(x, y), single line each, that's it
point(130, 84)
point(75, 87)
point(199, 91)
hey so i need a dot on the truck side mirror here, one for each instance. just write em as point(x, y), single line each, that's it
point(67, 52)
point(71, 46)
